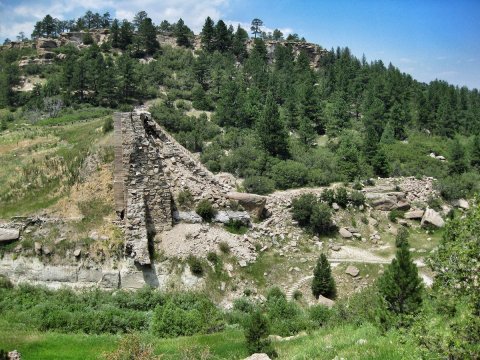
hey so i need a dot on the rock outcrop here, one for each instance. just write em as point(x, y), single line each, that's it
point(9, 234)
point(250, 202)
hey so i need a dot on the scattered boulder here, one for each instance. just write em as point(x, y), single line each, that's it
point(38, 248)
point(345, 233)
point(462, 204)
point(253, 203)
point(258, 356)
point(402, 205)
point(352, 271)
point(77, 252)
point(431, 217)
point(7, 235)
point(322, 300)
point(190, 217)
point(414, 214)
point(226, 216)
point(14, 355)
point(335, 206)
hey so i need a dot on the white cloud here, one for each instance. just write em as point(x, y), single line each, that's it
point(23, 15)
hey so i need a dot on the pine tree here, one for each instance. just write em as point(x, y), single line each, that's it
point(380, 163)
point(400, 285)
point(475, 152)
point(458, 163)
point(222, 39)
point(148, 35)
point(256, 334)
point(183, 34)
point(126, 35)
point(207, 36)
point(271, 129)
point(323, 282)
point(239, 46)
point(115, 33)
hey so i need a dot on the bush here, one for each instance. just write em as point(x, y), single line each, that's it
point(195, 265)
point(87, 39)
point(328, 196)
point(236, 227)
point(357, 198)
point(224, 247)
point(319, 315)
point(323, 282)
point(205, 210)
point(107, 125)
point(395, 214)
point(321, 219)
point(289, 174)
point(302, 208)
point(259, 185)
point(131, 346)
point(341, 197)
point(5, 283)
point(434, 203)
point(256, 335)
point(213, 257)
point(185, 199)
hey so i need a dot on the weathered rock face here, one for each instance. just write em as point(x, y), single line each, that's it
point(251, 202)
point(431, 217)
point(99, 36)
point(9, 234)
point(345, 233)
point(352, 271)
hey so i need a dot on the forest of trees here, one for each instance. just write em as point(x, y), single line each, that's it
point(272, 112)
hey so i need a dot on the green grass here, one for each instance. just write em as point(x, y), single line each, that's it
point(40, 164)
point(76, 115)
point(343, 342)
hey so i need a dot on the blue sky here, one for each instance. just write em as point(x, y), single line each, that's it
point(428, 39)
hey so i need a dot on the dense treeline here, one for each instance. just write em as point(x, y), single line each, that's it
point(274, 114)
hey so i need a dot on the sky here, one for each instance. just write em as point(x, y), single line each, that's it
point(429, 39)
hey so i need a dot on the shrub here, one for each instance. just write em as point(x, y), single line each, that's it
point(5, 283)
point(87, 39)
point(434, 203)
point(224, 247)
point(213, 257)
point(459, 186)
point(357, 198)
point(171, 320)
point(131, 346)
point(289, 174)
point(341, 197)
point(319, 315)
point(395, 214)
point(321, 219)
point(297, 295)
point(205, 210)
point(302, 208)
point(256, 335)
point(107, 124)
point(185, 199)
point(236, 227)
point(259, 185)
point(328, 196)
point(195, 265)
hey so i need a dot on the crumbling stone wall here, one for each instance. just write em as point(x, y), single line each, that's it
point(142, 195)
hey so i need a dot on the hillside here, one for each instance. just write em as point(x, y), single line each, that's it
point(210, 174)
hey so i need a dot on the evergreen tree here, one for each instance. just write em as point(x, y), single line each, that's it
point(475, 152)
point(126, 35)
point(183, 34)
point(222, 39)
point(388, 135)
point(256, 334)
point(255, 28)
point(148, 35)
point(400, 285)
point(126, 70)
point(271, 130)
point(239, 46)
point(115, 33)
point(208, 35)
point(458, 163)
point(139, 18)
point(323, 282)
point(380, 163)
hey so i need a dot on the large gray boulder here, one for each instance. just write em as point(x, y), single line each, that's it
point(190, 217)
point(431, 217)
point(225, 216)
point(8, 234)
point(345, 233)
point(255, 204)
